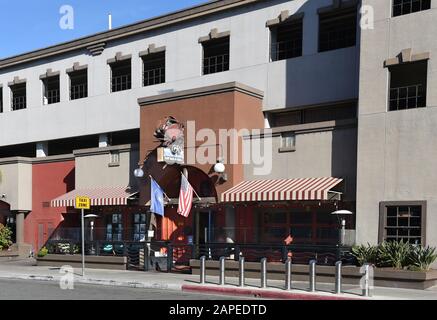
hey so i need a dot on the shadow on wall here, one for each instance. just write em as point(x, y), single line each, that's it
point(69, 180)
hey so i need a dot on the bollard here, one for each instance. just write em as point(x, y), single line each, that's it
point(288, 274)
point(312, 275)
point(264, 273)
point(338, 277)
point(241, 280)
point(366, 291)
point(202, 270)
point(222, 271)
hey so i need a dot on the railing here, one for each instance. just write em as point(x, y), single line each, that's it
point(18, 103)
point(216, 64)
point(409, 97)
point(402, 7)
point(154, 76)
point(78, 91)
point(286, 49)
point(120, 83)
point(53, 96)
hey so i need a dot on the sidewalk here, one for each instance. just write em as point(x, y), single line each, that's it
point(25, 270)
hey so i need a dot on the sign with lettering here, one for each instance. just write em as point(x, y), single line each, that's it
point(83, 203)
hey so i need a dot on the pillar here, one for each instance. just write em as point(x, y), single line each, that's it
point(103, 140)
point(19, 220)
point(42, 149)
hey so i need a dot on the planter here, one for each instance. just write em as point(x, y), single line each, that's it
point(75, 261)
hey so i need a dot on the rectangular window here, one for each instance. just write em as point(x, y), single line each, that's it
point(18, 96)
point(216, 55)
point(288, 140)
point(154, 69)
point(51, 89)
point(114, 158)
point(139, 231)
point(338, 29)
point(78, 84)
point(408, 84)
point(121, 75)
point(114, 227)
point(401, 7)
point(403, 221)
point(287, 40)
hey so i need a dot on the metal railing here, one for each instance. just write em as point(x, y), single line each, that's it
point(216, 64)
point(120, 83)
point(408, 97)
point(78, 91)
point(286, 49)
point(401, 7)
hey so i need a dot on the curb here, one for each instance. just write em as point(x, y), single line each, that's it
point(267, 294)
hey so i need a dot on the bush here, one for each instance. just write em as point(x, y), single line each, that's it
point(365, 254)
point(43, 252)
point(421, 258)
point(394, 254)
point(5, 237)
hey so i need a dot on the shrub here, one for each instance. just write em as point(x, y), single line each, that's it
point(421, 258)
point(5, 237)
point(365, 254)
point(43, 252)
point(394, 254)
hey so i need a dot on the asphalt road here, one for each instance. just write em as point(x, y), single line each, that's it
point(42, 290)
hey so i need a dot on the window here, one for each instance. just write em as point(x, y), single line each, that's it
point(121, 75)
point(51, 90)
point(114, 158)
point(403, 221)
point(78, 84)
point(408, 86)
point(401, 7)
point(1, 99)
point(114, 227)
point(154, 69)
point(216, 55)
point(288, 141)
point(287, 40)
point(139, 231)
point(337, 29)
point(18, 92)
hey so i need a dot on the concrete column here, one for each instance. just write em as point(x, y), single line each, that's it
point(42, 149)
point(19, 220)
point(103, 140)
point(230, 223)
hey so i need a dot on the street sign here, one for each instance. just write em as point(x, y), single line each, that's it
point(83, 203)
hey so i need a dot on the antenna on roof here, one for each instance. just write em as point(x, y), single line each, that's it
point(110, 21)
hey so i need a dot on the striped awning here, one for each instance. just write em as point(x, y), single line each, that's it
point(282, 190)
point(112, 196)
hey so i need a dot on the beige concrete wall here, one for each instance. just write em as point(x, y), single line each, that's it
point(94, 167)
point(16, 183)
point(324, 153)
point(397, 149)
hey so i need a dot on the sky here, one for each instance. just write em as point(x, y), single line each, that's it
point(33, 24)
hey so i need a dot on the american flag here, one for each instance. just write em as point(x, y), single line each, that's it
point(185, 198)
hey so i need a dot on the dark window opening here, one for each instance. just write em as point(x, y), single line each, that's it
point(311, 115)
point(18, 98)
point(67, 146)
point(154, 69)
point(408, 86)
point(401, 7)
point(78, 84)
point(121, 76)
point(114, 227)
point(140, 227)
point(27, 150)
point(124, 137)
point(338, 30)
point(403, 222)
point(287, 40)
point(216, 55)
point(51, 90)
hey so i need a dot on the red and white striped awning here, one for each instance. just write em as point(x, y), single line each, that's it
point(112, 196)
point(281, 190)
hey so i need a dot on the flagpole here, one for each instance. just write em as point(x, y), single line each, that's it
point(150, 176)
point(200, 199)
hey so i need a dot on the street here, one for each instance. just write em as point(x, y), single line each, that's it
point(41, 290)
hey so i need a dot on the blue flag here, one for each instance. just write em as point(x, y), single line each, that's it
point(156, 198)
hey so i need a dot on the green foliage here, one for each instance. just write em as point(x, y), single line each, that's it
point(421, 258)
point(43, 252)
point(5, 237)
point(394, 254)
point(365, 254)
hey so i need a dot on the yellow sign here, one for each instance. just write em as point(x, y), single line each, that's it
point(83, 203)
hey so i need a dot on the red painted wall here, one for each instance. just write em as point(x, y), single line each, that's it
point(49, 180)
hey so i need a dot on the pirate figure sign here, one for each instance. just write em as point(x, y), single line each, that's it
point(171, 136)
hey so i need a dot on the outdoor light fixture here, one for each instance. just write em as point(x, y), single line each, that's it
point(139, 173)
point(343, 223)
point(220, 169)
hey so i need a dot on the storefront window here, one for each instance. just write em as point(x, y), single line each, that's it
point(139, 230)
point(114, 227)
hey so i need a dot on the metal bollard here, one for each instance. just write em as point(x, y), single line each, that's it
point(288, 274)
point(312, 275)
point(264, 273)
point(222, 271)
point(241, 280)
point(202, 269)
point(338, 277)
point(366, 290)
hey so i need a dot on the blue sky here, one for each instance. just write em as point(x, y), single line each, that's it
point(32, 24)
